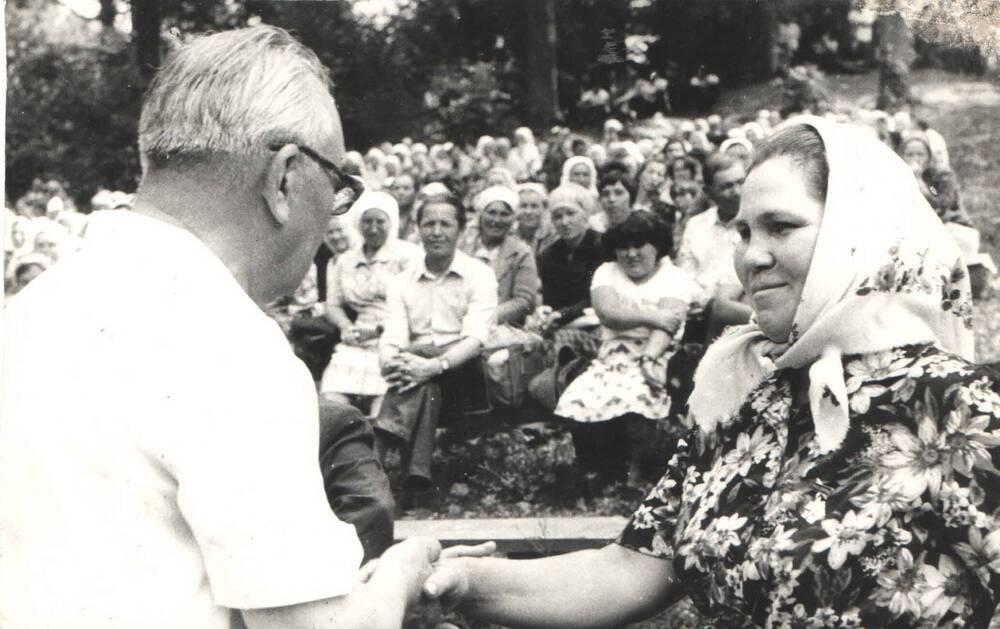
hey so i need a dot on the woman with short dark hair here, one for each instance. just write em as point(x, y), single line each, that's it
point(641, 299)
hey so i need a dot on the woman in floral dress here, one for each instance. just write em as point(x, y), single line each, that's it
point(844, 472)
point(641, 299)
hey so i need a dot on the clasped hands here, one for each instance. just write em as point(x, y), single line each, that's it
point(434, 579)
point(406, 371)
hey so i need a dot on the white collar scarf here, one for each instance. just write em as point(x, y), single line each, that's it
point(884, 273)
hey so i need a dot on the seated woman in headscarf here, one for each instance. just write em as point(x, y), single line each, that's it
point(581, 171)
point(534, 225)
point(844, 468)
point(511, 260)
point(357, 286)
point(525, 159)
point(641, 299)
point(938, 185)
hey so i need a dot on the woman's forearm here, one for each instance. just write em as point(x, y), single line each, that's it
point(592, 588)
point(513, 310)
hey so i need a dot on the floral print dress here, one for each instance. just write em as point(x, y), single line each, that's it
point(900, 527)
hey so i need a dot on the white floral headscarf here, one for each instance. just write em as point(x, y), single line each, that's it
point(884, 273)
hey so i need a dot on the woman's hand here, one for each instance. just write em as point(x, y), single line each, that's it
point(449, 582)
point(671, 320)
point(351, 335)
point(654, 371)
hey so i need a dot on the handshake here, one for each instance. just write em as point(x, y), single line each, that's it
point(433, 579)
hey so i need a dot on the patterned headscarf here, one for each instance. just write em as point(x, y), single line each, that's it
point(884, 273)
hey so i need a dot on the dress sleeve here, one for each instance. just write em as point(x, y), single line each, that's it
point(650, 529)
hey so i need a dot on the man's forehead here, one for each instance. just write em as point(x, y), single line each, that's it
point(333, 144)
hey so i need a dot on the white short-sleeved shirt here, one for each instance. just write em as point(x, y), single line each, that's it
point(158, 447)
point(667, 281)
point(706, 253)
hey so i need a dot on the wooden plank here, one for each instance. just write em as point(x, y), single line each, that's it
point(517, 535)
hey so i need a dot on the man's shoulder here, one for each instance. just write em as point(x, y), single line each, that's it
point(471, 268)
point(705, 219)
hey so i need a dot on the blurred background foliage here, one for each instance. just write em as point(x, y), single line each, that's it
point(431, 69)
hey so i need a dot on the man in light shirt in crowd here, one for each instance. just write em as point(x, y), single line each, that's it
point(708, 243)
point(162, 470)
point(438, 319)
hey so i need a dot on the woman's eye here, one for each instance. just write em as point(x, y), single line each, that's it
point(744, 232)
point(780, 227)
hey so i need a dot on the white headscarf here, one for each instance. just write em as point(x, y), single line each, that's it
point(586, 161)
point(884, 273)
point(492, 194)
point(373, 199)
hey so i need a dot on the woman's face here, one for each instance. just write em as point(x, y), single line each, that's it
point(529, 211)
point(653, 177)
point(570, 222)
point(615, 200)
point(374, 228)
point(580, 175)
point(916, 155)
point(496, 220)
point(683, 198)
point(638, 261)
point(403, 189)
point(778, 224)
point(17, 235)
point(336, 236)
point(675, 150)
point(46, 245)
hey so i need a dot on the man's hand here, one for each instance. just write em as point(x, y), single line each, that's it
point(410, 560)
point(419, 370)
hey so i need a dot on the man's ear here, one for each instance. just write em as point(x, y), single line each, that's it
point(275, 185)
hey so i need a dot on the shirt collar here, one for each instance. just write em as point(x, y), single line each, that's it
point(459, 266)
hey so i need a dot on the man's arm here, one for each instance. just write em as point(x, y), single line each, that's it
point(376, 603)
point(609, 587)
point(397, 328)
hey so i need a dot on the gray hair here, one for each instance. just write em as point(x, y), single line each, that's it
point(235, 92)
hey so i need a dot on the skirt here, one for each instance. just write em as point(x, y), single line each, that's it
point(613, 386)
point(353, 371)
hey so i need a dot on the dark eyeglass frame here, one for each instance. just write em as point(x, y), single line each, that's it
point(348, 188)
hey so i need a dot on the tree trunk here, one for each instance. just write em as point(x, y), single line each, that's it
point(146, 18)
point(895, 57)
point(543, 100)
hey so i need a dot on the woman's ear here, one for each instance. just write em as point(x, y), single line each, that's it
point(275, 185)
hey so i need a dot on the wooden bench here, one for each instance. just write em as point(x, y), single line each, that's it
point(543, 536)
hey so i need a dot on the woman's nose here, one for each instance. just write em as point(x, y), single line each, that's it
point(757, 255)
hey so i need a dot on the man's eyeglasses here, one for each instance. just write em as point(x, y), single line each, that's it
point(347, 187)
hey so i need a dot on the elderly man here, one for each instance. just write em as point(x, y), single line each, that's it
point(163, 472)
point(439, 317)
point(707, 246)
